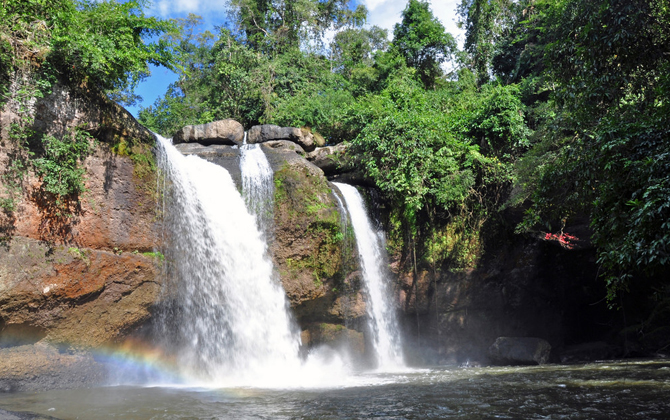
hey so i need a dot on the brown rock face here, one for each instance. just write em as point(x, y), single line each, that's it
point(227, 132)
point(73, 296)
point(116, 212)
point(71, 268)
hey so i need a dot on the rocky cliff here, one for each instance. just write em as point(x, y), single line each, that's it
point(80, 269)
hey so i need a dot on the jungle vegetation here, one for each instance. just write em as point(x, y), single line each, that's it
point(560, 108)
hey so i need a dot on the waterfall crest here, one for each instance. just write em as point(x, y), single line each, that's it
point(381, 313)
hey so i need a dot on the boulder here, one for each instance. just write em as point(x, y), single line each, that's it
point(333, 335)
point(284, 146)
point(33, 368)
point(520, 351)
point(328, 158)
point(228, 132)
point(269, 132)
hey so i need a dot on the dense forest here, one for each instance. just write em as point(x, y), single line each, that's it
point(560, 108)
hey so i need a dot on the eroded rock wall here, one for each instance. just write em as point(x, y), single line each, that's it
point(78, 270)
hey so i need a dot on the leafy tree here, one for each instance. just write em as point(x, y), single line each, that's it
point(355, 48)
point(420, 38)
point(277, 26)
point(484, 21)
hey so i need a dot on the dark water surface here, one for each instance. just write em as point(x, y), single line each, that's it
point(607, 390)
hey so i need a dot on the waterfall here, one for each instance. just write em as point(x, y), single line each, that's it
point(258, 186)
point(381, 313)
point(227, 319)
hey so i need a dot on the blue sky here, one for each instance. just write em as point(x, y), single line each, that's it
point(383, 13)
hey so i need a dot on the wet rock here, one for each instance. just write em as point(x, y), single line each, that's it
point(23, 415)
point(333, 335)
point(39, 367)
point(227, 132)
point(520, 351)
point(222, 155)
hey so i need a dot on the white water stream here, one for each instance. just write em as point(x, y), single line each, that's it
point(381, 313)
point(228, 323)
point(258, 186)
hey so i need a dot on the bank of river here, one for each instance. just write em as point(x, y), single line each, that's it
point(605, 390)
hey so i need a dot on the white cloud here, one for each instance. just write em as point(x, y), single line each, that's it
point(386, 13)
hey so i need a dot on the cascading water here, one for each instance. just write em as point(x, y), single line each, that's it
point(258, 186)
point(381, 313)
point(228, 321)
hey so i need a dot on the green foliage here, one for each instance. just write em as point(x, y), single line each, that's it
point(353, 49)
point(101, 44)
point(566, 98)
point(607, 149)
point(156, 255)
point(421, 40)
point(58, 166)
point(485, 21)
point(277, 27)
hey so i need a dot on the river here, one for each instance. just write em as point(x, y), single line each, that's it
point(605, 390)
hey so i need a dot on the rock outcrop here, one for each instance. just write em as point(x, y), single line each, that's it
point(226, 132)
point(329, 159)
point(74, 296)
point(269, 132)
point(34, 368)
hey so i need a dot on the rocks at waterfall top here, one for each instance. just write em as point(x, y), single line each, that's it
point(520, 351)
point(268, 132)
point(329, 158)
point(230, 132)
point(227, 132)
